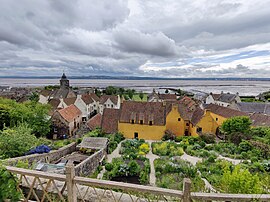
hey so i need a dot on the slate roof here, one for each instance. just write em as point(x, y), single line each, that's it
point(94, 122)
point(260, 119)
point(148, 111)
point(254, 107)
point(94, 143)
point(224, 111)
point(104, 98)
point(70, 113)
point(197, 115)
point(45, 93)
point(109, 122)
point(54, 103)
point(224, 97)
point(61, 93)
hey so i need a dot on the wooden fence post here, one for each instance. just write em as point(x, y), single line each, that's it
point(71, 187)
point(186, 190)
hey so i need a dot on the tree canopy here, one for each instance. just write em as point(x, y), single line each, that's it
point(236, 124)
point(16, 141)
point(31, 112)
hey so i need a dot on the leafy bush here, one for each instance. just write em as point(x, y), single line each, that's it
point(108, 166)
point(169, 135)
point(208, 138)
point(16, 141)
point(167, 149)
point(8, 186)
point(240, 181)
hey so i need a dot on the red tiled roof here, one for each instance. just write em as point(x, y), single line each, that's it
point(87, 99)
point(260, 120)
point(148, 110)
point(94, 122)
point(104, 98)
point(69, 101)
point(94, 97)
point(70, 113)
point(109, 122)
point(224, 111)
point(167, 96)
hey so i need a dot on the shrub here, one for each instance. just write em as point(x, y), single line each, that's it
point(144, 148)
point(108, 166)
point(8, 186)
point(208, 138)
point(169, 135)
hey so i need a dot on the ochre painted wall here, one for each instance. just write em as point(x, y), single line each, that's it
point(209, 123)
point(172, 123)
point(144, 131)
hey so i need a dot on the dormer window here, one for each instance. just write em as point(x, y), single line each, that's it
point(179, 119)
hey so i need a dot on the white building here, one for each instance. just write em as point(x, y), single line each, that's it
point(223, 99)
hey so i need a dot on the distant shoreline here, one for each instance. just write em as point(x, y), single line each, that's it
point(136, 78)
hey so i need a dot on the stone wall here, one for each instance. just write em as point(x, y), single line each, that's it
point(46, 157)
point(90, 164)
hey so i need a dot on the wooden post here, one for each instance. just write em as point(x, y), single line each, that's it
point(71, 187)
point(186, 190)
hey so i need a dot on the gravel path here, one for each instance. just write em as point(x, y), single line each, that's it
point(151, 158)
point(110, 157)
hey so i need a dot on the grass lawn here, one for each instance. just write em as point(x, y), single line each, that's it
point(137, 98)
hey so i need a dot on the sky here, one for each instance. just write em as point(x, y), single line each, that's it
point(156, 38)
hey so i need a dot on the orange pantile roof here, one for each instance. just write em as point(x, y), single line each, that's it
point(70, 113)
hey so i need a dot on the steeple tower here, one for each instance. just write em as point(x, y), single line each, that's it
point(64, 82)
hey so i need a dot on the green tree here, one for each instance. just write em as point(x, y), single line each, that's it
point(4, 116)
point(239, 124)
point(34, 97)
point(34, 113)
point(240, 181)
point(130, 93)
point(141, 95)
point(98, 92)
point(16, 141)
point(111, 90)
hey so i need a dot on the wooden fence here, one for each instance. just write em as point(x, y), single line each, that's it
point(41, 186)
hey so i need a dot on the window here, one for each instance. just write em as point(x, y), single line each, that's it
point(112, 106)
point(187, 124)
point(136, 135)
point(132, 121)
point(199, 129)
point(94, 105)
point(216, 119)
point(141, 121)
point(150, 123)
point(179, 119)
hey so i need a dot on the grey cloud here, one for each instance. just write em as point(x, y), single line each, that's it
point(113, 37)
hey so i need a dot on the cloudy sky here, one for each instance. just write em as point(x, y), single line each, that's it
point(163, 38)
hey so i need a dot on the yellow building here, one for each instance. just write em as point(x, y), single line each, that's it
point(150, 120)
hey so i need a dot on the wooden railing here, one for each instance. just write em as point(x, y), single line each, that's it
point(40, 186)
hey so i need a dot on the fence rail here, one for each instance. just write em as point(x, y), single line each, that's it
point(41, 186)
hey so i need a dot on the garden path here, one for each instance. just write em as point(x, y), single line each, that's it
point(114, 154)
point(151, 158)
point(192, 159)
point(233, 161)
